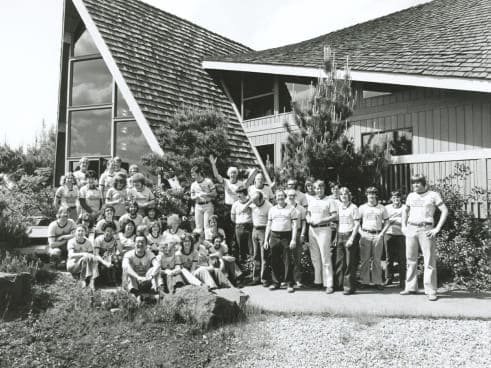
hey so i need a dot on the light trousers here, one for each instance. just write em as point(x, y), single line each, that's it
point(321, 255)
point(415, 238)
point(371, 250)
point(86, 266)
point(202, 214)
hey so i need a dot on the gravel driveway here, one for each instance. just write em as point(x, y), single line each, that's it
point(316, 341)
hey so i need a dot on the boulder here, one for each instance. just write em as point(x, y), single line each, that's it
point(197, 305)
point(15, 294)
point(233, 295)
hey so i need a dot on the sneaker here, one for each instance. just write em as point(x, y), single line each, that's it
point(432, 297)
point(266, 284)
point(407, 292)
point(274, 287)
point(283, 284)
point(329, 290)
point(379, 287)
point(299, 285)
point(290, 289)
point(348, 292)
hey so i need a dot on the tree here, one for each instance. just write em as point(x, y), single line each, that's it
point(321, 147)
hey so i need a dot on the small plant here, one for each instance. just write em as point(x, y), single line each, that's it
point(11, 263)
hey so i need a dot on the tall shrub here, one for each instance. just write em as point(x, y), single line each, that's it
point(464, 243)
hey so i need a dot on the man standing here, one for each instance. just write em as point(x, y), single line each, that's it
point(418, 226)
point(291, 200)
point(321, 212)
point(395, 242)
point(241, 216)
point(301, 199)
point(203, 192)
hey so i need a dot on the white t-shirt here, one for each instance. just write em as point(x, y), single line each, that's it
point(395, 215)
point(138, 220)
point(107, 180)
point(265, 190)
point(372, 217)
point(243, 214)
point(140, 265)
point(106, 246)
point(170, 237)
point(141, 196)
point(422, 206)
point(113, 194)
point(74, 246)
point(260, 214)
point(301, 199)
point(80, 177)
point(230, 191)
point(66, 196)
point(205, 187)
point(93, 197)
point(55, 230)
point(322, 208)
point(281, 218)
point(347, 218)
point(301, 215)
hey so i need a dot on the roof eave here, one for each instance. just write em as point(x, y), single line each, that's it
point(417, 80)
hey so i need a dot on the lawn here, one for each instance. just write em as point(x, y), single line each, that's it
point(77, 329)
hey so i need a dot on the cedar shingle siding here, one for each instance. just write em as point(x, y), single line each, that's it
point(160, 58)
point(450, 38)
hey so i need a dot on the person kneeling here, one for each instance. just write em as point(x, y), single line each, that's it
point(140, 268)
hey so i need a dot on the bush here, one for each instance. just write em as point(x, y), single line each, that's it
point(11, 263)
point(464, 244)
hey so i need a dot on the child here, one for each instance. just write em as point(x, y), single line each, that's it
point(107, 247)
point(374, 224)
point(155, 237)
point(117, 195)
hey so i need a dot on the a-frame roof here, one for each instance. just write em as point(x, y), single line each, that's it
point(159, 57)
point(442, 38)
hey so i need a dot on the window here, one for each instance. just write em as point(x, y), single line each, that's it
point(257, 84)
point(90, 133)
point(299, 91)
point(257, 107)
point(91, 83)
point(130, 142)
point(258, 96)
point(122, 109)
point(267, 154)
point(84, 45)
point(398, 141)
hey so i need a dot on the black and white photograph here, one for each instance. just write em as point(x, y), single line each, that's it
point(261, 183)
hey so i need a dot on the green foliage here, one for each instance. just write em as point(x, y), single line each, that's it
point(321, 147)
point(464, 244)
point(11, 263)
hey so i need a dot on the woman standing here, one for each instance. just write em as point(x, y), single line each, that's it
point(117, 195)
point(81, 174)
point(67, 196)
point(141, 194)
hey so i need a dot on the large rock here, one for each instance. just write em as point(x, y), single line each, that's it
point(15, 294)
point(198, 305)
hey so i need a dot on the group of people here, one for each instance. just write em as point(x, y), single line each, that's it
point(131, 245)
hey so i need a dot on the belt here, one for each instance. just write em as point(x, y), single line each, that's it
point(260, 227)
point(420, 224)
point(281, 232)
point(205, 202)
point(319, 225)
point(371, 231)
point(345, 234)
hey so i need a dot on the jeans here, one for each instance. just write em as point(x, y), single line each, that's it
point(262, 264)
point(395, 246)
point(320, 253)
point(243, 238)
point(345, 277)
point(297, 260)
point(370, 258)
point(281, 257)
point(202, 214)
point(416, 237)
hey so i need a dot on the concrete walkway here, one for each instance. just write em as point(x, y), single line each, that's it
point(387, 303)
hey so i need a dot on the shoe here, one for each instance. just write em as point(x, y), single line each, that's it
point(363, 286)
point(299, 285)
point(388, 281)
point(274, 287)
point(379, 287)
point(432, 297)
point(329, 290)
point(290, 289)
point(266, 284)
point(283, 284)
point(348, 292)
point(407, 292)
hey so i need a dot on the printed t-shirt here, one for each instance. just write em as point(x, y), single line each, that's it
point(243, 213)
point(170, 237)
point(141, 196)
point(140, 265)
point(322, 208)
point(92, 196)
point(113, 194)
point(395, 214)
point(347, 217)
point(187, 260)
point(205, 187)
point(372, 217)
point(67, 197)
point(422, 206)
point(167, 262)
point(281, 218)
point(138, 220)
point(106, 245)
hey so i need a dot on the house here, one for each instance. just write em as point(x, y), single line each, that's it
point(126, 67)
point(423, 78)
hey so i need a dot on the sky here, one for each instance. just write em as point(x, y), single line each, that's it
point(30, 36)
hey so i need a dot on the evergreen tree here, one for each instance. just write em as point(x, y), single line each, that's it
point(321, 147)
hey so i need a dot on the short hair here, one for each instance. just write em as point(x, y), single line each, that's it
point(66, 176)
point(418, 178)
point(292, 179)
point(395, 193)
point(141, 234)
point(217, 236)
point(124, 225)
point(173, 218)
point(91, 174)
point(61, 209)
point(133, 166)
point(138, 178)
point(106, 207)
point(320, 182)
point(108, 224)
point(83, 227)
point(152, 208)
point(231, 169)
point(196, 170)
point(280, 191)
point(291, 192)
point(152, 224)
point(132, 203)
point(117, 158)
point(345, 190)
point(259, 195)
point(83, 159)
point(119, 178)
point(214, 218)
point(333, 184)
point(371, 190)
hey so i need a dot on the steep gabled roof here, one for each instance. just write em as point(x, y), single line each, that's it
point(443, 38)
point(159, 56)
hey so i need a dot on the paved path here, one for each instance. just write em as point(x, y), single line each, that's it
point(387, 303)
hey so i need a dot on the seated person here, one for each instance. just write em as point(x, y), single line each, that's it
point(152, 215)
point(141, 194)
point(107, 247)
point(170, 275)
point(174, 233)
point(107, 215)
point(81, 261)
point(155, 237)
point(226, 262)
point(187, 259)
point(213, 230)
point(60, 232)
point(132, 214)
point(127, 236)
point(209, 269)
point(140, 268)
point(67, 195)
